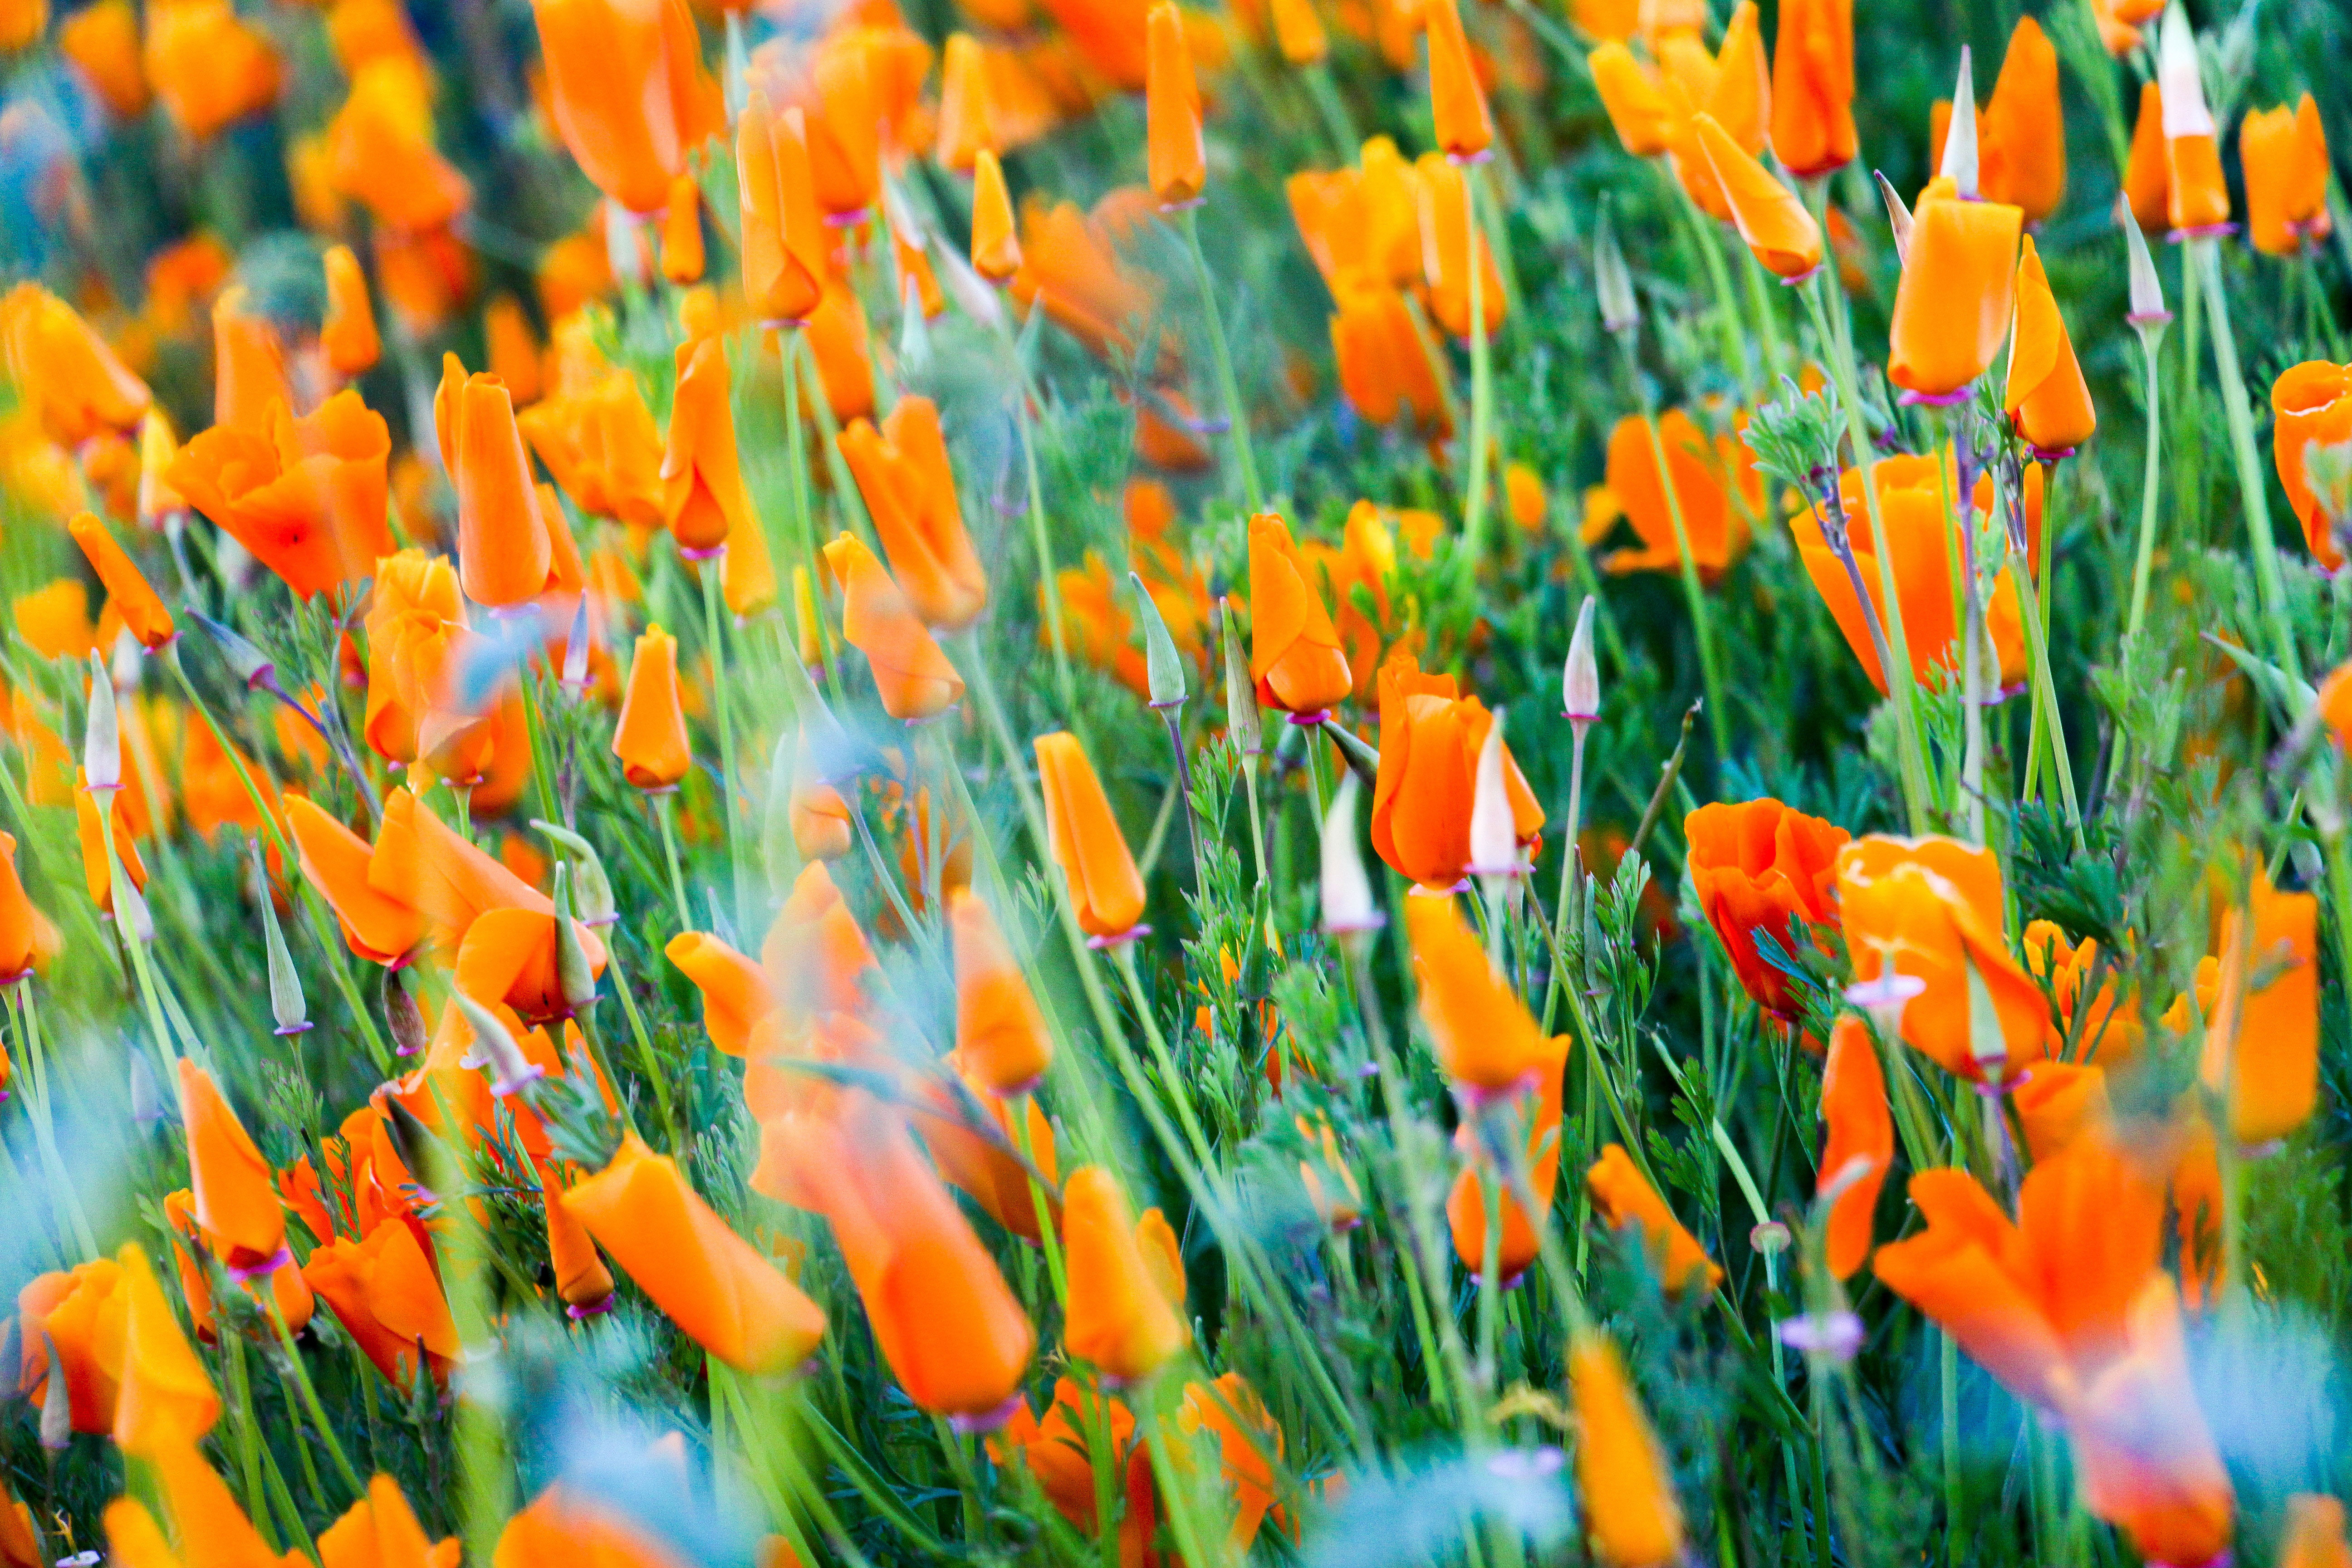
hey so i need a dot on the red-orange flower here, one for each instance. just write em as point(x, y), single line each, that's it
point(1756, 870)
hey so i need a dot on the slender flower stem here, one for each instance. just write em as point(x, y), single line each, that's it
point(1568, 864)
point(714, 619)
point(1718, 715)
point(44, 1131)
point(1048, 579)
point(1229, 390)
point(665, 809)
point(1193, 825)
point(2151, 337)
point(302, 1376)
point(2205, 268)
point(2046, 695)
point(1482, 379)
point(121, 891)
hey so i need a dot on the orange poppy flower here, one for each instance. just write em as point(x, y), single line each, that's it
point(703, 494)
point(70, 1326)
point(2312, 402)
point(837, 338)
point(1179, 163)
point(1070, 268)
point(2047, 398)
point(2147, 1462)
point(2021, 145)
point(1705, 472)
point(27, 939)
point(1812, 87)
point(1954, 305)
point(128, 593)
point(735, 995)
point(629, 97)
point(814, 953)
point(1056, 1449)
point(1249, 1444)
point(996, 252)
point(1487, 1042)
point(1104, 885)
point(1298, 32)
point(1294, 655)
point(54, 621)
point(72, 382)
point(379, 1530)
point(2286, 156)
point(385, 1294)
point(1118, 1317)
point(1465, 130)
point(1778, 230)
point(306, 496)
point(601, 444)
point(681, 235)
point(102, 41)
point(2198, 197)
point(2261, 1044)
point(1001, 1037)
point(503, 550)
point(1756, 870)
point(785, 253)
point(1932, 909)
point(380, 155)
point(650, 736)
point(913, 676)
point(348, 334)
point(416, 618)
point(378, 929)
point(209, 69)
point(2059, 1103)
point(1444, 195)
point(1861, 1143)
point(1384, 364)
point(1623, 1197)
point(964, 126)
point(1429, 741)
point(236, 1202)
point(163, 1398)
point(719, 1291)
point(973, 1136)
point(903, 473)
point(2099, 1026)
point(1627, 1486)
point(2147, 175)
point(1466, 1204)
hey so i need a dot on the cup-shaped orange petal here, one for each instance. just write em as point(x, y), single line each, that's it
point(995, 239)
point(128, 591)
point(1623, 1197)
point(2261, 1044)
point(71, 380)
point(1000, 1037)
point(2021, 145)
point(1860, 1142)
point(1117, 1318)
point(1294, 655)
point(1758, 868)
point(503, 552)
point(649, 737)
point(703, 496)
point(620, 78)
point(236, 1201)
point(1953, 307)
point(908, 485)
point(1812, 87)
point(2147, 173)
point(735, 995)
point(914, 677)
point(2311, 405)
point(1637, 107)
point(2285, 154)
point(1486, 1041)
point(1429, 743)
point(2047, 397)
point(1177, 162)
point(1627, 1486)
point(385, 1294)
point(348, 334)
point(785, 256)
point(1464, 128)
point(1087, 845)
point(1775, 224)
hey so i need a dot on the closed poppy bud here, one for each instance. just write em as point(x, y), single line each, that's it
point(966, 130)
point(96, 874)
point(1486, 1041)
point(128, 593)
point(249, 382)
point(1117, 1317)
point(1812, 87)
point(1466, 1205)
point(28, 940)
point(715, 1286)
point(1465, 129)
point(649, 737)
point(837, 339)
point(2312, 406)
point(703, 494)
point(1295, 655)
point(995, 240)
point(1178, 168)
point(580, 1277)
point(503, 550)
point(2314, 1537)
point(2261, 1045)
point(622, 80)
point(747, 577)
point(1860, 1142)
point(348, 334)
point(681, 236)
point(1758, 869)
point(1954, 305)
point(1623, 1197)
point(914, 677)
point(1104, 885)
point(2023, 138)
point(1298, 32)
point(2047, 399)
point(785, 253)
point(1775, 224)
point(384, 1293)
point(2147, 174)
point(2285, 158)
point(2198, 198)
point(1628, 1490)
point(236, 1202)
point(1637, 106)
point(1001, 1037)
point(735, 995)
point(1421, 797)
point(903, 473)
point(63, 369)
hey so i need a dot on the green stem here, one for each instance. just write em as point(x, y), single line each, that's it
point(1229, 389)
point(2151, 337)
point(2205, 266)
point(1694, 592)
point(665, 808)
point(730, 783)
point(2046, 697)
point(1482, 379)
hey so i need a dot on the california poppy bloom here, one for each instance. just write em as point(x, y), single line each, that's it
point(1385, 365)
point(2312, 402)
point(1294, 655)
point(1000, 1037)
point(2047, 398)
point(2314, 1537)
point(2147, 1461)
point(2261, 1044)
point(711, 1283)
point(1860, 1147)
point(786, 256)
point(1624, 1198)
point(650, 737)
point(626, 83)
point(209, 69)
point(306, 496)
point(380, 151)
point(903, 473)
point(27, 939)
point(1758, 868)
point(385, 1294)
point(1104, 885)
point(65, 1318)
point(2286, 157)
point(1056, 1449)
point(996, 252)
point(379, 1530)
point(237, 1202)
point(1813, 88)
point(1778, 230)
point(1465, 1204)
point(1119, 1318)
point(1627, 1488)
point(601, 444)
point(1450, 248)
point(1714, 479)
point(415, 625)
point(735, 995)
point(503, 550)
point(1486, 1041)
point(1298, 32)
point(681, 241)
point(102, 41)
point(1178, 165)
point(1953, 306)
point(1430, 742)
point(913, 676)
point(582, 1280)
point(1638, 108)
point(815, 953)
point(1465, 130)
point(964, 128)
point(73, 382)
point(2022, 136)
point(703, 494)
point(2147, 174)
point(348, 334)
point(163, 1398)
point(2197, 198)
point(128, 592)
point(2084, 1025)
point(1932, 909)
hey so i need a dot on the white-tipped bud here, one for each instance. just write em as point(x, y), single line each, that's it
point(2147, 288)
point(1613, 283)
point(1348, 904)
point(495, 1050)
point(575, 675)
point(1241, 691)
point(132, 916)
point(56, 1403)
point(914, 331)
point(101, 746)
point(736, 87)
point(1580, 678)
point(1898, 216)
point(592, 890)
point(287, 1005)
point(1163, 667)
point(1959, 165)
point(972, 293)
point(2179, 80)
point(1494, 831)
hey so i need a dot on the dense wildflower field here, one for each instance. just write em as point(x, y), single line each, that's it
point(1345, 783)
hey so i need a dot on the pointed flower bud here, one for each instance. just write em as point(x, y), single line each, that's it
point(56, 1411)
point(592, 892)
point(251, 666)
point(1898, 216)
point(1163, 667)
point(1959, 165)
point(1241, 691)
point(287, 1003)
point(401, 1017)
point(2147, 288)
point(2180, 82)
point(1348, 904)
point(102, 750)
point(1494, 831)
point(1580, 678)
point(1613, 283)
point(575, 975)
point(495, 1049)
